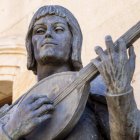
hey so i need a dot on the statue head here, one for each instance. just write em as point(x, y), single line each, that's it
point(76, 42)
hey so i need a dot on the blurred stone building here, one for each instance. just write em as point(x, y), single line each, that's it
point(96, 18)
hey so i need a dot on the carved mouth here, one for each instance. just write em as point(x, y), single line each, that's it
point(49, 43)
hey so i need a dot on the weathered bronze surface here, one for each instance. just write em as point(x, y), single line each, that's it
point(53, 45)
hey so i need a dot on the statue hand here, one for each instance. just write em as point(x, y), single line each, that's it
point(28, 115)
point(116, 68)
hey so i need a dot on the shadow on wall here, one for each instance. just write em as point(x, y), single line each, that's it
point(6, 90)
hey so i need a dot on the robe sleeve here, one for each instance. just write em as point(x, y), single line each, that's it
point(124, 117)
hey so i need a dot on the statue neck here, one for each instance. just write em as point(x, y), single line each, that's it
point(44, 71)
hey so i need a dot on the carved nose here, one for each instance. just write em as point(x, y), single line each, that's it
point(48, 34)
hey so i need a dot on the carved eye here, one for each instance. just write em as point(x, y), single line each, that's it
point(40, 31)
point(59, 29)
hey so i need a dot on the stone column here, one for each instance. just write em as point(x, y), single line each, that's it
point(13, 72)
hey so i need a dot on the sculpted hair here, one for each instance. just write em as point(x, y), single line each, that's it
point(74, 28)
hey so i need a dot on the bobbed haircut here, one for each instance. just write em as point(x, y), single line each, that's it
point(74, 27)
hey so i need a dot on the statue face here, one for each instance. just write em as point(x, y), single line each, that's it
point(51, 39)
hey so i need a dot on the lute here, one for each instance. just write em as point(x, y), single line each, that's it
point(69, 91)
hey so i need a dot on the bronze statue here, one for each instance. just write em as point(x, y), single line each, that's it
point(53, 44)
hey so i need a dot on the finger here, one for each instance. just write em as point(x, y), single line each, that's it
point(40, 101)
point(132, 54)
point(44, 109)
point(44, 118)
point(109, 45)
point(132, 60)
point(100, 52)
point(33, 98)
point(122, 52)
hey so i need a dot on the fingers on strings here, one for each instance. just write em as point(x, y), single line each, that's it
point(40, 104)
point(35, 98)
point(44, 109)
point(41, 101)
point(122, 53)
point(110, 49)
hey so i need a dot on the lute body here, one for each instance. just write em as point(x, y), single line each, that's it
point(67, 112)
